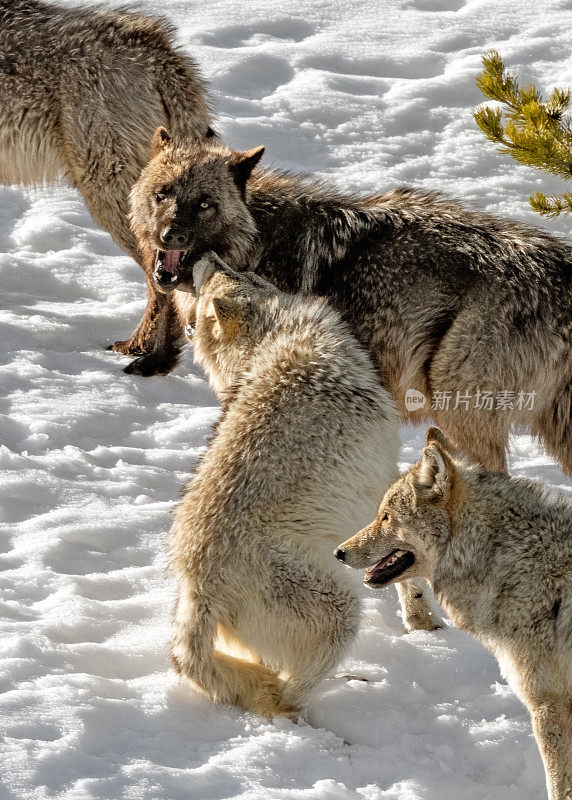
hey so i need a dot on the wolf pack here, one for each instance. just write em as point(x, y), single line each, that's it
point(314, 313)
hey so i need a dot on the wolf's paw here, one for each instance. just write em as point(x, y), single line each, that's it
point(293, 716)
point(268, 699)
point(288, 711)
point(129, 347)
point(424, 622)
point(159, 363)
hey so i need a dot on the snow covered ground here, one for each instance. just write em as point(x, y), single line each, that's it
point(372, 93)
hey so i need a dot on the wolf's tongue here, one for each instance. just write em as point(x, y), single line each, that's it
point(170, 262)
point(386, 562)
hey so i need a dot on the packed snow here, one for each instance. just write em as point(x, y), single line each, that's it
point(369, 93)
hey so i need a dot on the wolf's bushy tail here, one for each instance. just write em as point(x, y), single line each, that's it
point(221, 677)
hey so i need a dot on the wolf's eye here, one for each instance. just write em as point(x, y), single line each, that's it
point(205, 205)
point(160, 196)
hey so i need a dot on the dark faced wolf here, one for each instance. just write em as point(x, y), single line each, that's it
point(81, 93)
point(472, 311)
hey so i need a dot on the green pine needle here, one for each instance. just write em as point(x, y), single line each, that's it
point(551, 206)
point(535, 133)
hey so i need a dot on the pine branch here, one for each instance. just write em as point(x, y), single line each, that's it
point(551, 206)
point(536, 132)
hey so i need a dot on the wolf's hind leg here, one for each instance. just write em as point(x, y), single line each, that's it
point(316, 642)
point(483, 435)
point(552, 724)
point(414, 596)
point(554, 426)
point(220, 677)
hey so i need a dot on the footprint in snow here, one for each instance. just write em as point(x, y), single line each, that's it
point(255, 77)
point(287, 30)
point(437, 5)
point(425, 66)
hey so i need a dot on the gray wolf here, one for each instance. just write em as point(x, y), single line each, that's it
point(446, 300)
point(498, 553)
point(306, 437)
point(81, 94)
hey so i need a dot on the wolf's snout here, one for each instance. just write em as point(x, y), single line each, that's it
point(205, 268)
point(340, 554)
point(173, 238)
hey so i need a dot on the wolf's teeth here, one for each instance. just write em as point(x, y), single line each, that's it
point(173, 279)
point(400, 553)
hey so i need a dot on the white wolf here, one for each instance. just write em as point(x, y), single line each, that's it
point(307, 437)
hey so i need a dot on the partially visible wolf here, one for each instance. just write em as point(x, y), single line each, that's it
point(469, 309)
point(307, 436)
point(81, 94)
point(498, 552)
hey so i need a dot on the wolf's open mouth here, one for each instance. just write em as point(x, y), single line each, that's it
point(169, 266)
point(389, 568)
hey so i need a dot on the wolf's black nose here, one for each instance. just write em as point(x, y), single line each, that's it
point(171, 237)
point(339, 553)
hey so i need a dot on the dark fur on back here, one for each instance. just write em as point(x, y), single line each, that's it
point(321, 231)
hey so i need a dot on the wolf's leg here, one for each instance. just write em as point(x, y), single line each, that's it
point(156, 337)
point(317, 658)
point(481, 434)
point(166, 337)
point(219, 676)
point(554, 426)
point(103, 158)
point(414, 596)
point(141, 337)
point(316, 642)
point(456, 371)
point(552, 724)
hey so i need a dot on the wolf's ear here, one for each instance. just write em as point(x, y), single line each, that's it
point(242, 164)
point(229, 312)
point(436, 435)
point(433, 475)
point(160, 140)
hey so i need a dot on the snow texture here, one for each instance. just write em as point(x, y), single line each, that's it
point(372, 94)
